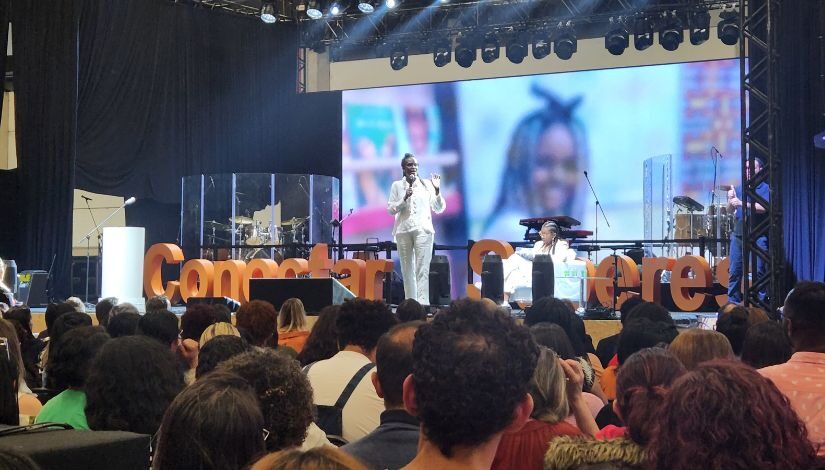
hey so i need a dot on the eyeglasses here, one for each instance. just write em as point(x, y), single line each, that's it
point(266, 433)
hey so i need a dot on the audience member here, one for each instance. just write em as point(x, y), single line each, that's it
point(77, 304)
point(13, 460)
point(343, 410)
point(69, 321)
point(766, 344)
point(292, 325)
point(733, 322)
point(103, 309)
point(28, 404)
point(394, 443)
point(217, 350)
point(322, 342)
point(158, 302)
point(725, 415)
point(161, 325)
point(30, 347)
point(67, 373)
point(472, 366)
point(606, 349)
point(124, 307)
point(410, 310)
point(131, 382)
point(125, 324)
point(260, 320)
point(222, 313)
point(53, 312)
point(321, 458)
point(217, 329)
point(195, 320)
point(642, 386)
point(214, 424)
point(9, 377)
point(283, 392)
point(525, 448)
point(802, 378)
point(695, 346)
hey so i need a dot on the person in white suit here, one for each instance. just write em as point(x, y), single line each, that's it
point(518, 268)
point(412, 202)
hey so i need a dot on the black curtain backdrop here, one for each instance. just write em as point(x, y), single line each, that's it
point(45, 50)
point(802, 104)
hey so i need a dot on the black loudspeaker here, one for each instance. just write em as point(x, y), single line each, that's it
point(32, 288)
point(70, 449)
point(544, 280)
point(492, 278)
point(314, 293)
point(393, 288)
point(232, 304)
point(440, 280)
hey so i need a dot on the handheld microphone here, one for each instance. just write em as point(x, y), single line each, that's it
point(85, 197)
point(130, 201)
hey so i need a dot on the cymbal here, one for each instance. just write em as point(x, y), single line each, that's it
point(214, 224)
point(241, 220)
point(295, 221)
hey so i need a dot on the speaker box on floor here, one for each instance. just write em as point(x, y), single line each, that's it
point(440, 280)
point(544, 279)
point(492, 278)
point(314, 293)
point(69, 449)
point(32, 288)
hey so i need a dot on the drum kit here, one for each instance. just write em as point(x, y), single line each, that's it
point(257, 238)
point(715, 223)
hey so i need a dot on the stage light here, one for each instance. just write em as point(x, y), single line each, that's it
point(465, 51)
point(565, 43)
point(541, 46)
point(728, 29)
point(398, 57)
point(516, 49)
point(365, 6)
point(336, 9)
point(442, 53)
point(617, 39)
point(391, 4)
point(268, 13)
point(314, 9)
point(699, 27)
point(671, 34)
point(642, 33)
point(490, 48)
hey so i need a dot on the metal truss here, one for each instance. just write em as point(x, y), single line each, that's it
point(760, 125)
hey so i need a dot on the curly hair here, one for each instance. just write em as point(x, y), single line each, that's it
point(734, 325)
point(217, 350)
point(131, 382)
point(71, 356)
point(553, 310)
point(125, 324)
point(726, 415)
point(158, 302)
point(410, 310)
point(322, 342)
point(195, 320)
point(766, 344)
point(214, 424)
point(63, 324)
point(640, 333)
point(361, 322)
point(471, 368)
point(160, 325)
point(283, 391)
point(641, 386)
point(260, 319)
point(22, 315)
point(695, 346)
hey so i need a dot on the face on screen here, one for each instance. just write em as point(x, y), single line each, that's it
point(556, 170)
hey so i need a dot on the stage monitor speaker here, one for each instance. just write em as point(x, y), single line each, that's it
point(68, 449)
point(544, 279)
point(393, 288)
point(32, 288)
point(315, 293)
point(492, 278)
point(232, 304)
point(440, 280)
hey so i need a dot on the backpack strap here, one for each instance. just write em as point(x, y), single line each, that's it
point(350, 388)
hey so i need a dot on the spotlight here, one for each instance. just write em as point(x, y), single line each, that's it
point(335, 9)
point(642, 34)
point(465, 51)
point(617, 39)
point(442, 53)
point(398, 57)
point(314, 10)
point(541, 46)
point(517, 49)
point(268, 13)
point(489, 49)
point(728, 29)
point(672, 34)
point(699, 27)
point(391, 4)
point(565, 43)
point(365, 6)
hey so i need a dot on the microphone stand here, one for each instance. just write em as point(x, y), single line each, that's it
point(88, 249)
point(88, 237)
point(598, 208)
point(340, 225)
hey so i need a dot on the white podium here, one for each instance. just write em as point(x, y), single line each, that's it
point(123, 250)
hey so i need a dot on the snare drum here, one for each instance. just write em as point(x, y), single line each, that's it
point(254, 235)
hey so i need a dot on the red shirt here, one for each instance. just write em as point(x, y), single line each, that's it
point(525, 448)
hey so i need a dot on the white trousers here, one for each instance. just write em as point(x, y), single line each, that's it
point(415, 251)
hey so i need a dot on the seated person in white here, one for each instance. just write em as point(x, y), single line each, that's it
point(518, 268)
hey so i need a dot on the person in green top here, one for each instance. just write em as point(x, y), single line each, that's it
point(67, 371)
